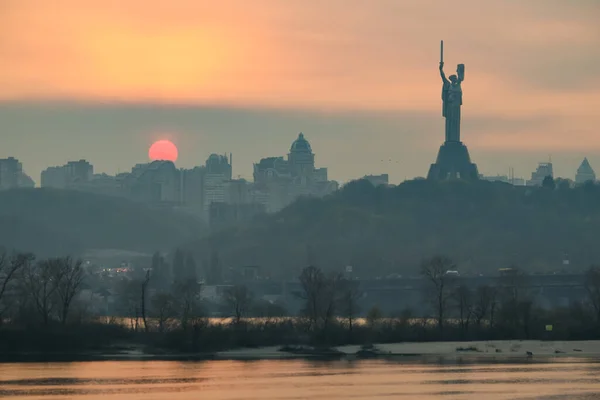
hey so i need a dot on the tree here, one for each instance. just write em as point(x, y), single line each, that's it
point(9, 270)
point(321, 296)
point(435, 271)
point(516, 301)
point(163, 308)
point(68, 275)
point(374, 316)
point(464, 304)
point(350, 294)
point(187, 296)
point(128, 300)
point(238, 300)
point(41, 283)
point(549, 183)
point(592, 287)
point(484, 304)
point(144, 287)
point(313, 285)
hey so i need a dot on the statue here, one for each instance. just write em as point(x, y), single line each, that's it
point(453, 160)
point(452, 99)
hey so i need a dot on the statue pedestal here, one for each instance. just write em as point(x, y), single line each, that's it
point(453, 162)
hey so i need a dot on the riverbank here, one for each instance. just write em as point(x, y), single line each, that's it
point(495, 349)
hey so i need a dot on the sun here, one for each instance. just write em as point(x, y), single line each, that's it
point(163, 150)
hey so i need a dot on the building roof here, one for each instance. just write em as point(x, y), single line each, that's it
point(301, 144)
point(585, 167)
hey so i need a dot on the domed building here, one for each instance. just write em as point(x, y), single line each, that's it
point(301, 158)
point(281, 181)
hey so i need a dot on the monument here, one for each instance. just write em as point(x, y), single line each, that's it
point(453, 161)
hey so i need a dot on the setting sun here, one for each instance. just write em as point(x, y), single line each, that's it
point(163, 150)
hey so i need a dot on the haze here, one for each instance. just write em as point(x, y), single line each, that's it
point(103, 80)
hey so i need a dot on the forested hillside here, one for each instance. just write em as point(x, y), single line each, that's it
point(61, 222)
point(482, 226)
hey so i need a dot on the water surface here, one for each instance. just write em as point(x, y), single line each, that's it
point(564, 378)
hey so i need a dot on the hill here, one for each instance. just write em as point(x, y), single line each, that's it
point(58, 222)
point(482, 226)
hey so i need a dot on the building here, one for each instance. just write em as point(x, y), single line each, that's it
point(278, 182)
point(218, 172)
point(25, 181)
point(585, 173)
point(537, 177)
point(377, 180)
point(156, 183)
point(503, 178)
point(11, 172)
point(73, 175)
point(79, 171)
point(192, 181)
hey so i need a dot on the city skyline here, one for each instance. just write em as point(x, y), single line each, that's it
point(108, 80)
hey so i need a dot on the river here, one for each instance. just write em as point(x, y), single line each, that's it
point(561, 378)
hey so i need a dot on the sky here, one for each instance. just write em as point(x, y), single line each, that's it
point(102, 80)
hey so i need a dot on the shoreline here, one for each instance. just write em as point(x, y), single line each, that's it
point(476, 351)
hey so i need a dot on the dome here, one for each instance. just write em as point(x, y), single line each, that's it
point(301, 144)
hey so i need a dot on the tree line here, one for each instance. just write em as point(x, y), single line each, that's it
point(37, 299)
point(39, 291)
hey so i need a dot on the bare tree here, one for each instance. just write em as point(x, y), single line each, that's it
point(144, 287)
point(484, 304)
point(331, 299)
point(187, 295)
point(41, 283)
point(163, 308)
point(350, 294)
point(320, 294)
point(435, 271)
point(313, 285)
point(374, 316)
point(516, 301)
point(67, 275)
point(238, 300)
point(128, 300)
point(9, 269)
point(464, 304)
point(592, 287)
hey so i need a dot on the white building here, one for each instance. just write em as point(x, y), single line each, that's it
point(585, 173)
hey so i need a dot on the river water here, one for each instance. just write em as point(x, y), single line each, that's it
point(563, 378)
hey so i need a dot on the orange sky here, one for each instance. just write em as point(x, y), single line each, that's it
point(524, 59)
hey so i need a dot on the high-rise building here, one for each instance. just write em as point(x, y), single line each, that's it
point(79, 171)
point(158, 183)
point(192, 181)
point(585, 173)
point(73, 175)
point(537, 177)
point(10, 173)
point(218, 172)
